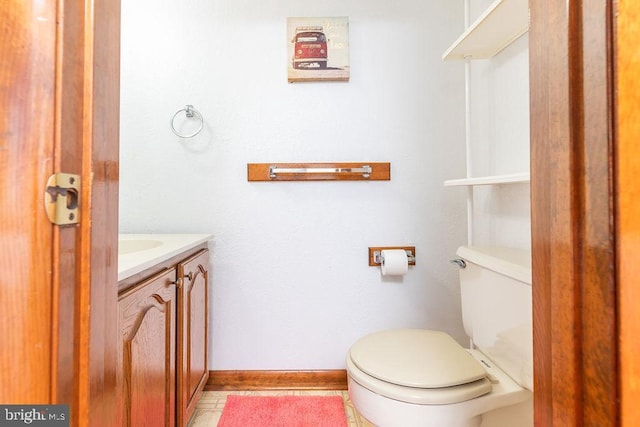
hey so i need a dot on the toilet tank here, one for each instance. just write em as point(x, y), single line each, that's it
point(495, 289)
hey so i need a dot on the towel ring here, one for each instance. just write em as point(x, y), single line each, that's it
point(189, 112)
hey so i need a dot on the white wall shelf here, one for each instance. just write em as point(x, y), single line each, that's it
point(501, 24)
point(515, 178)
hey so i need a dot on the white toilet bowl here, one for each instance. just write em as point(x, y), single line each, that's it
point(386, 403)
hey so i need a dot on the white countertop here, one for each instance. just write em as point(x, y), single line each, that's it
point(137, 252)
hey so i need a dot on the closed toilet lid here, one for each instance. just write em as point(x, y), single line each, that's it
point(416, 358)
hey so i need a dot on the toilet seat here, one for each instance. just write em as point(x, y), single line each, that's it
point(417, 366)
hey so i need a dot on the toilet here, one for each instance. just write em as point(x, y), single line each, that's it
point(425, 378)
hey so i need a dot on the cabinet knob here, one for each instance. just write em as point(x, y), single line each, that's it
point(189, 276)
point(178, 283)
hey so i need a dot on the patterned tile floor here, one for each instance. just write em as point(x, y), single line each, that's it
point(209, 407)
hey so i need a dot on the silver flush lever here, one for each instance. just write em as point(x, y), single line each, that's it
point(459, 262)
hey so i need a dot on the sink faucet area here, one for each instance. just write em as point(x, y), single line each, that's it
point(137, 252)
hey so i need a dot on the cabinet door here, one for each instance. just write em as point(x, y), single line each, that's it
point(146, 352)
point(192, 332)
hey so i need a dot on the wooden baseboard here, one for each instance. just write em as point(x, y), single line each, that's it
point(277, 380)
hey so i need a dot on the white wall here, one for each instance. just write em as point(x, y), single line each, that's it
point(291, 288)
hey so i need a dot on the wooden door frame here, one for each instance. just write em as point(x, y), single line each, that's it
point(573, 198)
point(99, 235)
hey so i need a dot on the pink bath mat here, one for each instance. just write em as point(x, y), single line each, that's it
point(283, 411)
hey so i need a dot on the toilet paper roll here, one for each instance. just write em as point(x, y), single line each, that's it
point(394, 262)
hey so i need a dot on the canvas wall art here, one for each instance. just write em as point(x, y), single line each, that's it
point(318, 49)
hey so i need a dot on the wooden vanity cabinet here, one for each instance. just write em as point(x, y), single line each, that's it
point(162, 348)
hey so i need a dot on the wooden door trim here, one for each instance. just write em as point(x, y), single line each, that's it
point(71, 303)
point(572, 144)
point(100, 234)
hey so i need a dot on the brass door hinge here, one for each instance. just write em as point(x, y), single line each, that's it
point(61, 198)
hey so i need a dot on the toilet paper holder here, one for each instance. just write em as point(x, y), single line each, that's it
point(375, 254)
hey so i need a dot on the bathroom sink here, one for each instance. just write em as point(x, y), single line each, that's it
point(136, 245)
point(137, 252)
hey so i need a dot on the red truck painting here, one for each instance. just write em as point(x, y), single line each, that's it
point(309, 48)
